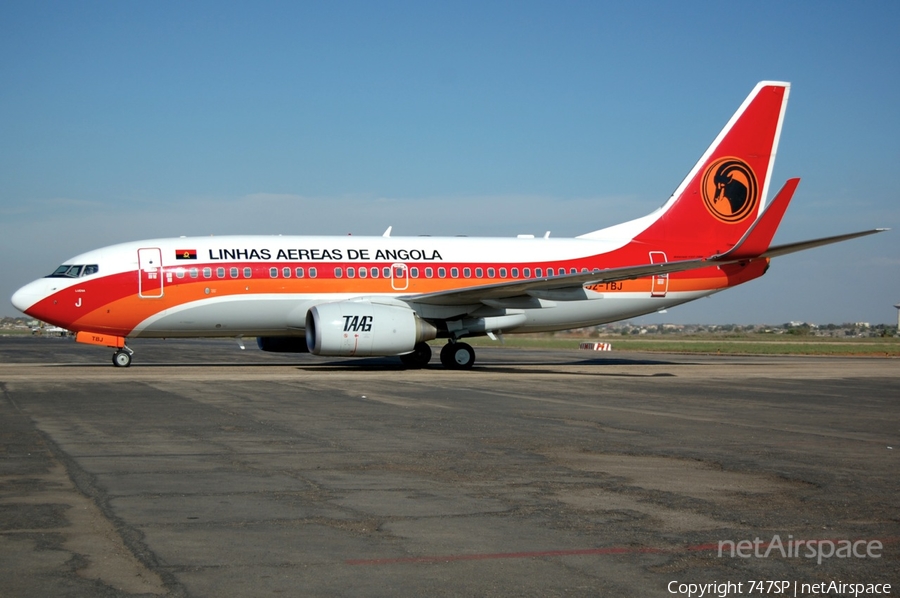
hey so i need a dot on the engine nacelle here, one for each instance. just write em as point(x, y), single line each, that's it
point(282, 344)
point(362, 329)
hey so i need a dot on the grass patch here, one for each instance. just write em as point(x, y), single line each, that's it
point(736, 345)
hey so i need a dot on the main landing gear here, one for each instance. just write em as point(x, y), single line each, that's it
point(122, 357)
point(419, 357)
point(454, 356)
point(457, 356)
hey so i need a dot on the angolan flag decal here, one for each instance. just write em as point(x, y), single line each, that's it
point(185, 254)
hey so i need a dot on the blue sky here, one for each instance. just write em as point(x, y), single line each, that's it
point(125, 120)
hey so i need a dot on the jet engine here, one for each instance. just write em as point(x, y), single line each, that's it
point(363, 328)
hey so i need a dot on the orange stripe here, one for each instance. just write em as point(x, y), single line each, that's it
point(120, 315)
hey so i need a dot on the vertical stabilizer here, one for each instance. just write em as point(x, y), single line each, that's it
point(725, 191)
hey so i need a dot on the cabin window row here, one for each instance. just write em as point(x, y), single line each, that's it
point(428, 272)
point(298, 272)
point(220, 272)
point(351, 272)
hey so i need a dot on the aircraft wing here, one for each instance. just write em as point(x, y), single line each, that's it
point(518, 288)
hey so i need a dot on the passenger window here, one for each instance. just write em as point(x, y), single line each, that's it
point(502, 272)
point(207, 272)
point(298, 272)
point(351, 272)
point(286, 272)
point(374, 272)
point(490, 272)
point(195, 273)
point(220, 272)
point(467, 272)
point(179, 272)
point(527, 272)
point(549, 271)
point(454, 272)
point(363, 272)
point(515, 272)
point(312, 272)
point(338, 272)
point(233, 272)
point(414, 272)
point(248, 272)
point(442, 272)
point(572, 271)
point(273, 272)
point(429, 272)
point(386, 272)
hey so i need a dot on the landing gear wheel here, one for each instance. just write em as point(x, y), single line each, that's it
point(121, 359)
point(419, 357)
point(457, 356)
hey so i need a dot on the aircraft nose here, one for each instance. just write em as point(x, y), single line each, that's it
point(27, 296)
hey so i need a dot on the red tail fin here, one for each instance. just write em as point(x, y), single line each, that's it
point(725, 192)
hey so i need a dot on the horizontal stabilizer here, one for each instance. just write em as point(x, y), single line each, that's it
point(802, 245)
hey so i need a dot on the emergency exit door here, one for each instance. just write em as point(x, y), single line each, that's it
point(660, 284)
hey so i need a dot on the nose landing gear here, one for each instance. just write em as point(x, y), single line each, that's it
point(122, 357)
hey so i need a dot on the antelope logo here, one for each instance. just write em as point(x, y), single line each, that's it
point(730, 190)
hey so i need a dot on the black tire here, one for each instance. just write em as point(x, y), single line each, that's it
point(121, 359)
point(457, 356)
point(419, 357)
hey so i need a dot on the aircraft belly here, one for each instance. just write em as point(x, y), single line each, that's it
point(256, 317)
point(609, 308)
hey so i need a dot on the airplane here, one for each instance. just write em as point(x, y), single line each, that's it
point(379, 296)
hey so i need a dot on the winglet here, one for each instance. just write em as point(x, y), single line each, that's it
point(759, 236)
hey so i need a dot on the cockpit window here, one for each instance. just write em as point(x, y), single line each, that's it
point(67, 271)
